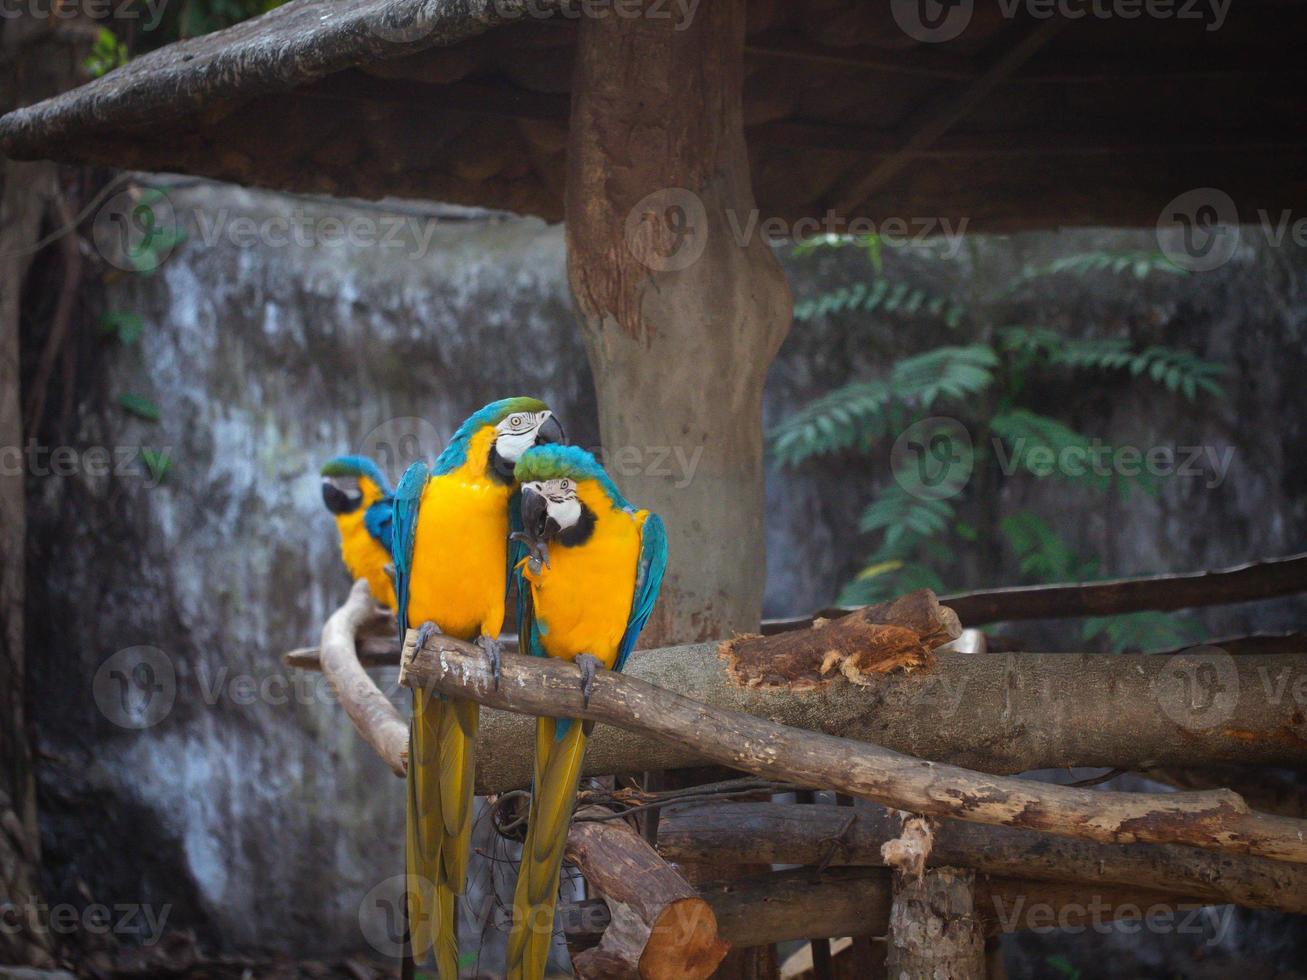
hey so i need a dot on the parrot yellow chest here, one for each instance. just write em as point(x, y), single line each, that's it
point(365, 557)
point(460, 556)
point(582, 601)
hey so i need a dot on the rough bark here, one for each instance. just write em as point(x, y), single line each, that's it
point(788, 905)
point(1216, 820)
point(660, 927)
point(934, 931)
point(824, 835)
point(1268, 791)
point(371, 712)
point(681, 319)
point(36, 60)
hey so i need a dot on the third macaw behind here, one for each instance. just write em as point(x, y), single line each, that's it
point(359, 495)
point(594, 567)
point(452, 559)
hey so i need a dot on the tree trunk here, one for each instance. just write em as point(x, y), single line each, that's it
point(934, 931)
point(39, 57)
point(681, 317)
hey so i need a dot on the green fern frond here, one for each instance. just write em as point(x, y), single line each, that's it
point(1044, 447)
point(952, 372)
point(890, 584)
point(880, 295)
point(1141, 265)
point(1042, 554)
point(836, 421)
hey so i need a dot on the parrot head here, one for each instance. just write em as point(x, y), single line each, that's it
point(562, 489)
point(497, 436)
point(351, 482)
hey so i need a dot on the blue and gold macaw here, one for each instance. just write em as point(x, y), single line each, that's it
point(592, 573)
point(452, 561)
point(359, 495)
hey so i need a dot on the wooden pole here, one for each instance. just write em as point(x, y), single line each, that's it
point(659, 927)
point(934, 930)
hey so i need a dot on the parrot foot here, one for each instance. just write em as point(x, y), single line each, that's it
point(426, 631)
point(589, 667)
point(537, 550)
point(491, 647)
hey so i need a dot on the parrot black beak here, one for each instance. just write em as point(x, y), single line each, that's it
point(339, 501)
point(550, 431)
point(535, 513)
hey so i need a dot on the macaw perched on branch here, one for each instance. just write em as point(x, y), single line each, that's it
point(452, 561)
point(358, 493)
point(593, 568)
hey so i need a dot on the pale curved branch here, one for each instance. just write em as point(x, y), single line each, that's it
point(371, 711)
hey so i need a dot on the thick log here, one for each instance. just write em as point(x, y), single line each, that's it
point(825, 835)
point(659, 925)
point(1216, 820)
point(1268, 791)
point(371, 712)
point(934, 930)
point(789, 905)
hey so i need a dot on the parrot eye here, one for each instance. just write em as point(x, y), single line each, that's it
point(565, 484)
point(516, 421)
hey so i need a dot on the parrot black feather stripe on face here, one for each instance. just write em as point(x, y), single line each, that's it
point(359, 496)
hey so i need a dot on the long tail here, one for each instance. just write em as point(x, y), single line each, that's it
point(442, 767)
point(560, 744)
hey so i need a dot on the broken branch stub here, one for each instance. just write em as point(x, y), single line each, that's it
point(873, 640)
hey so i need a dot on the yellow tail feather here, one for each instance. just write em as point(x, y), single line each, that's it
point(557, 772)
point(442, 764)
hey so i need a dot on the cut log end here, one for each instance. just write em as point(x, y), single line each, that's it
point(683, 942)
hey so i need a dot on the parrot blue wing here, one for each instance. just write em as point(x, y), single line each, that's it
point(648, 579)
point(404, 527)
point(379, 520)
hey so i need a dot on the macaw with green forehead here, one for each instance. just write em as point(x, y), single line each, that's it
point(359, 495)
point(592, 574)
point(452, 561)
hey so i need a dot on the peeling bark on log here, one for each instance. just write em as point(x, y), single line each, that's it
point(874, 640)
point(821, 834)
point(371, 712)
point(1001, 713)
point(788, 905)
point(660, 927)
point(934, 931)
point(1217, 820)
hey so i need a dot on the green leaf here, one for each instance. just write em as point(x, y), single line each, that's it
point(1142, 631)
point(125, 326)
point(140, 406)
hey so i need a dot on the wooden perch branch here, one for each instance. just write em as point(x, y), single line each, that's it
point(787, 905)
point(371, 712)
point(1242, 583)
point(659, 926)
point(1216, 820)
point(996, 713)
point(821, 834)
